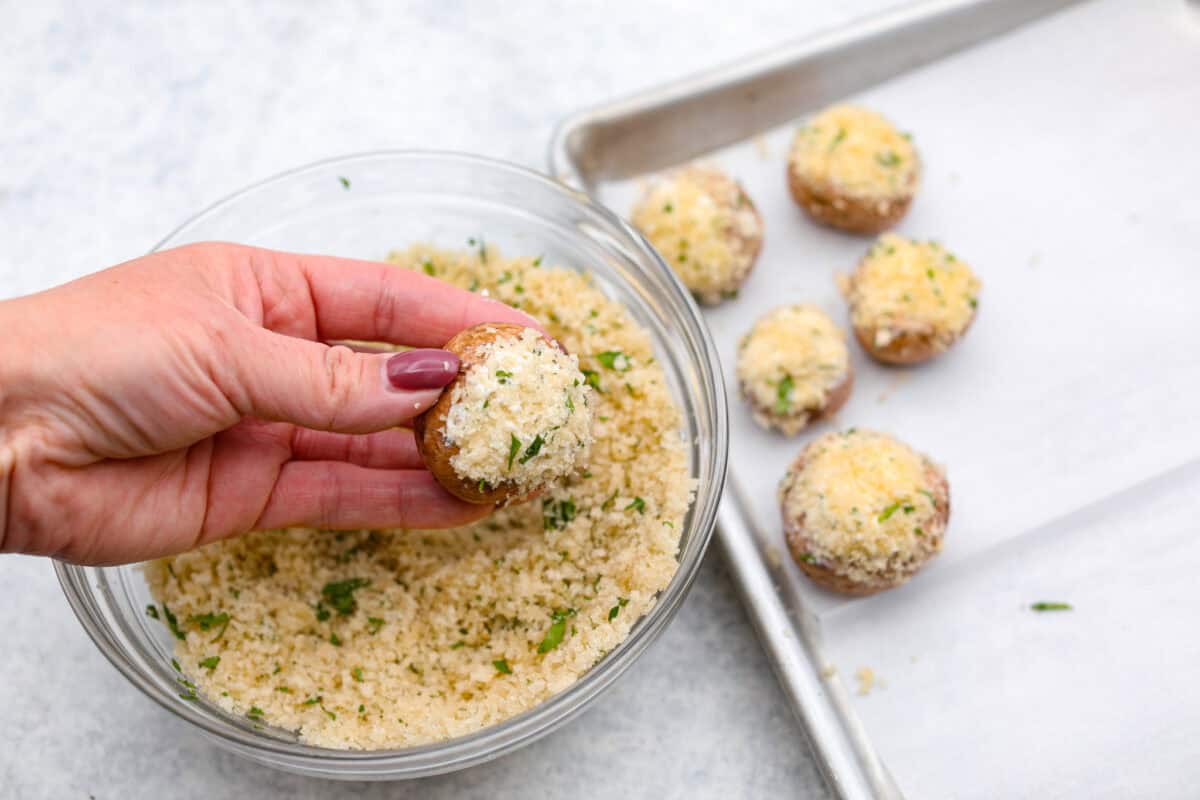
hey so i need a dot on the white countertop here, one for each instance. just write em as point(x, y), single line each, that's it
point(118, 125)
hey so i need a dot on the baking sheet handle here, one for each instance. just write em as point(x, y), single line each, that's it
point(791, 637)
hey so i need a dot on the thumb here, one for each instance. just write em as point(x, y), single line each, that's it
point(333, 388)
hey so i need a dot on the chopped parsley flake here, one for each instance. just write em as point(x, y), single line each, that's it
point(208, 622)
point(501, 665)
point(312, 701)
point(151, 611)
point(592, 379)
point(457, 645)
point(334, 640)
point(783, 394)
point(340, 595)
point(503, 375)
point(210, 663)
point(374, 624)
point(427, 265)
point(514, 447)
point(621, 603)
point(668, 208)
point(534, 448)
point(173, 624)
point(929, 494)
point(638, 505)
point(614, 359)
point(357, 674)
point(1048, 606)
point(255, 712)
point(556, 515)
point(888, 158)
point(807, 558)
point(887, 512)
point(838, 138)
point(558, 629)
point(344, 181)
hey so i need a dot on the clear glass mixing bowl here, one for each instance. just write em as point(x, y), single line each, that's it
point(363, 206)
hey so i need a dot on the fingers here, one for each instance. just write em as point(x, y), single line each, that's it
point(392, 449)
point(373, 301)
point(281, 378)
point(340, 496)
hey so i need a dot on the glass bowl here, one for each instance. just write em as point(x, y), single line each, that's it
point(363, 206)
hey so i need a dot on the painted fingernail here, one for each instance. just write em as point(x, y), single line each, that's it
point(421, 369)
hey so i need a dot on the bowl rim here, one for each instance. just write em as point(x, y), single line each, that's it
point(509, 734)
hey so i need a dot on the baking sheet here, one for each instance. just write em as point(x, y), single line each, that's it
point(1062, 163)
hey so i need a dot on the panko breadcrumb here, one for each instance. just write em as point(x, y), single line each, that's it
point(850, 168)
point(386, 639)
point(793, 366)
point(862, 512)
point(704, 226)
point(910, 300)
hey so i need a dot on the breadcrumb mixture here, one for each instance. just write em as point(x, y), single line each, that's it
point(386, 639)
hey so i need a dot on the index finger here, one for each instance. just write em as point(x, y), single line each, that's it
point(379, 302)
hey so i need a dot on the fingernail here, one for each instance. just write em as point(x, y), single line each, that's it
point(421, 369)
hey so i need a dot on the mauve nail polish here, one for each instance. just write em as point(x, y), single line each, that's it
point(421, 369)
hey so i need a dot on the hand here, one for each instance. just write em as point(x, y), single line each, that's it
point(192, 395)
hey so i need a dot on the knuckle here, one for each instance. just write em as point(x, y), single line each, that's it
point(341, 378)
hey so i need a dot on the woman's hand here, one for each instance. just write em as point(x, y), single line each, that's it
point(192, 395)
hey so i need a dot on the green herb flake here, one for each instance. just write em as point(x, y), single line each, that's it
point(322, 612)
point(973, 302)
point(838, 138)
point(460, 643)
point(929, 494)
point(340, 595)
point(668, 208)
point(427, 265)
point(255, 712)
point(312, 701)
point(807, 558)
point(888, 158)
point(592, 379)
point(210, 663)
point(607, 504)
point(558, 629)
point(1051, 606)
point(210, 621)
point(362, 709)
point(514, 447)
point(501, 665)
point(503, 375)
point(534, 448)
point(283, 689)
point(175, 664)
point(614, 359)
point(334, 640)
point(783, 395)
point(344, 181)
point(151, 611)
point(887, 512)
point(173, 624)
point(638, 505)
point(615, 610)
point(929, 273)
point(357, 674)
point(374, 624)
point(537, 262)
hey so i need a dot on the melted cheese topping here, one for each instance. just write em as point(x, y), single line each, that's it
point(901, 283)
point(521, 415)
point(788, 363)
point(847, 150)
point(705, 227)
point(867, 504)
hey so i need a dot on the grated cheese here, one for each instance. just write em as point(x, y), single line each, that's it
point(901, 282)
point(705, 228)
point(520, 415)
point(788, 363)
point(866, 501)
point(851, 151)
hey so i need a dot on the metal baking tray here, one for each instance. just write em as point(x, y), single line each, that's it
point(1041, 101)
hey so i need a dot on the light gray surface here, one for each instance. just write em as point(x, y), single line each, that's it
point(116, 124)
